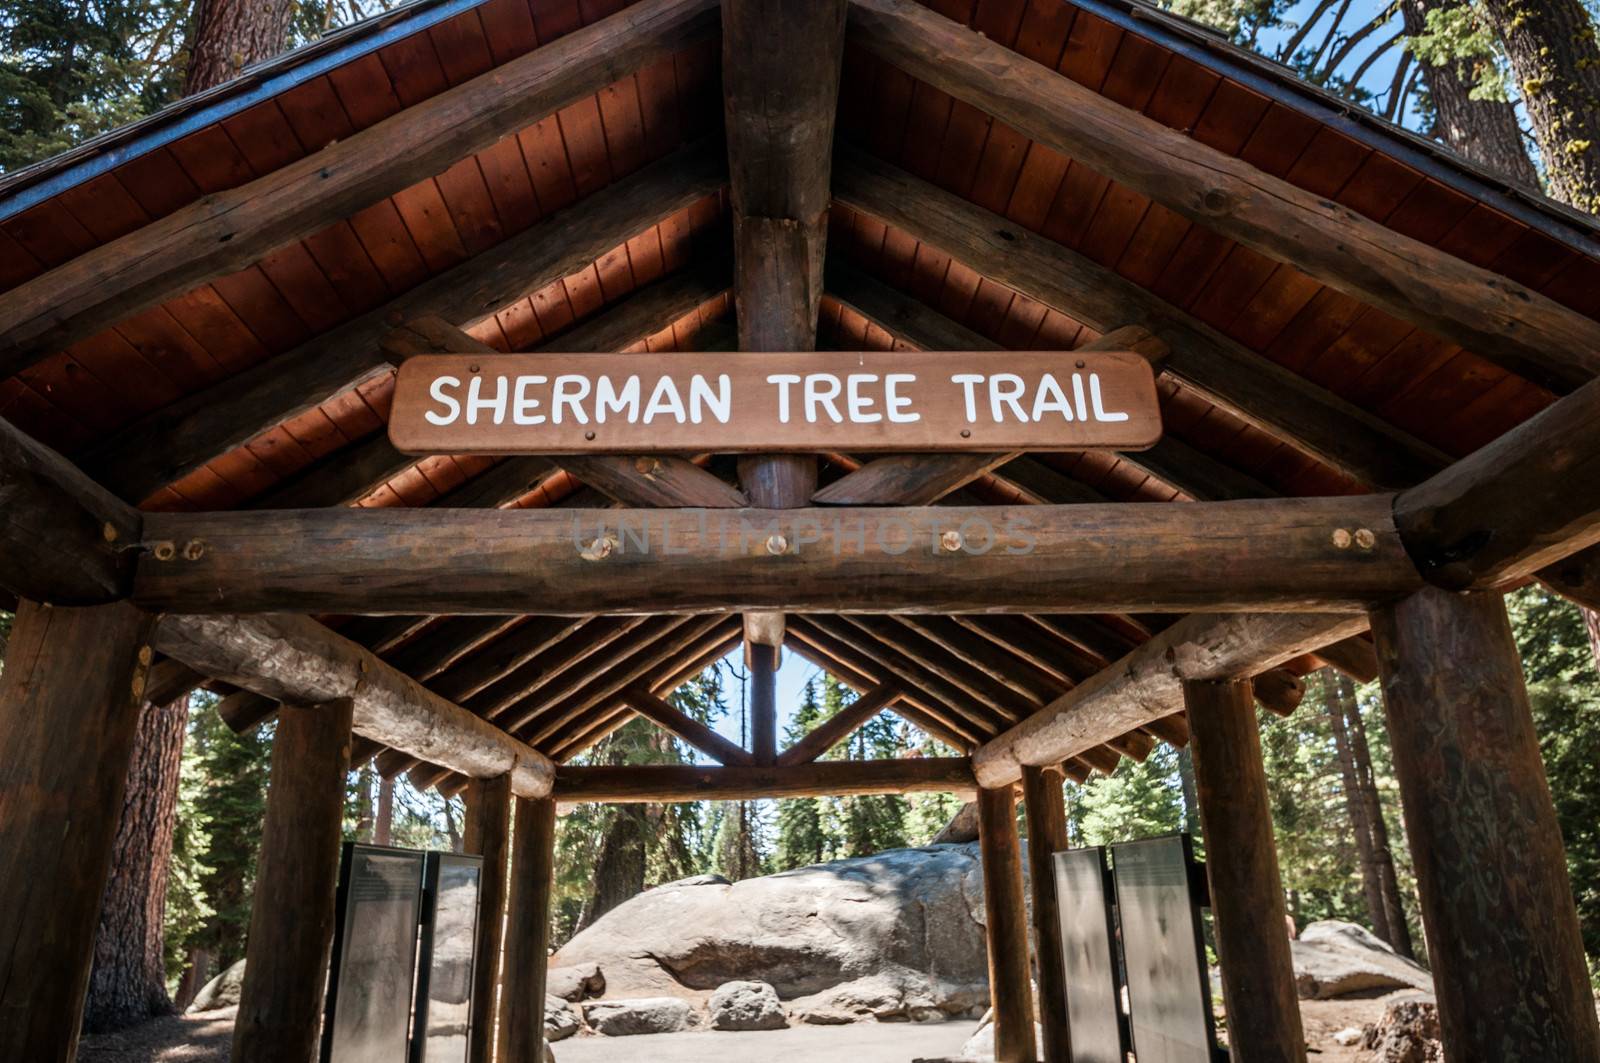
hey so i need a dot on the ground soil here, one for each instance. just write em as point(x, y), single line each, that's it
point(206, 1038)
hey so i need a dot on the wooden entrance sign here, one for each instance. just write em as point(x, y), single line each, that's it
point(834, 400)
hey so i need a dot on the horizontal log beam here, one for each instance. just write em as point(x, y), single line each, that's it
point(1520, 329)
point(669, 783)
point(296, 659)
point(1527, 500)
point(176, 439)
point(1288, 554)
point(1147, 685)
point(227, 231)
point(1222, 370)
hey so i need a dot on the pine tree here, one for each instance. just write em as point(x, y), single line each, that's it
point(228, 806)
point(801, 837)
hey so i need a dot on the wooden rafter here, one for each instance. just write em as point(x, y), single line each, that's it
point(1224, 371)
point(1484, 312)
point(175, 440)
point(229, 230)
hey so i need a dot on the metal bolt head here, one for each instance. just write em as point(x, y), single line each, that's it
point(164, 550)
point(108, 531)
point(646, 466)
point(589, 436)
point(950, 540)
point(966, 433)
point(146, 655)
point(194, 550)
point(1341, 539)
point(1365, 539)
point(777, 544)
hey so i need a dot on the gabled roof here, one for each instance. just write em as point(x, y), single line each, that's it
point(662, 285)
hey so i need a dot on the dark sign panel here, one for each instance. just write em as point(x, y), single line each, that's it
point(828, 400)
point(449, 943)
point(374, 955)
point(1169, 992)
point(1088, 944)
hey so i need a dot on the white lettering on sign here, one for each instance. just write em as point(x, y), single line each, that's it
point(570, 400)
point(832, 401)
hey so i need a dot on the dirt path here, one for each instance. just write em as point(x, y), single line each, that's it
point(206, 1038)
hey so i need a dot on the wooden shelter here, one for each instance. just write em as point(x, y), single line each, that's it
point(1376, 366)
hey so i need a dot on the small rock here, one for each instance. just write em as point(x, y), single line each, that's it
point(624, 1018)
point(575, 983)
point(1348, 1036)
point(221, 992)
point(560, 1021)
point(1407, 1033)
point(746, 1006)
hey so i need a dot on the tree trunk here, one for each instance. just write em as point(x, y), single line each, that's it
point(229, 35)
point(1485, 131)
point(1191, 800)
point(1555, 60)
point(1591, 620)
point(619, 872)
point(364, 805)
point(129, 983)
point(1382, 851)
point(1356, 804)
point(384, 827)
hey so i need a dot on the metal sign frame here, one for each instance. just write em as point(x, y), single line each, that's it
point(433, 872)
point(345, 934)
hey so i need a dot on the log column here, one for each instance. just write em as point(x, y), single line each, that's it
point(69, 702)
point(292, 912)
point(528, 932)
point(763, 701)
point(1006, 920)
point(1242, 867)
point(488, 834)
point(1497, 905)
point(1047, 835)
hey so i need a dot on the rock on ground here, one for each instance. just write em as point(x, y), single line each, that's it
point(746, 1006)
point(221, 992)
point(1407, 1033)
point(560, 1021)
point(576, 982)
point(623, 1018)
point(1334, 958)
point(895, 935)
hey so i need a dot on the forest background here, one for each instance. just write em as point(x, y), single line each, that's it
point(1513, 85)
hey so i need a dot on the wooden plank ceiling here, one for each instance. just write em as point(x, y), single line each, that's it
point(561, 684)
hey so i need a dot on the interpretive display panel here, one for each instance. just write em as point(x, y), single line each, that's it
point(374, 955)
point(1088, 944)
point(452, 885)
point(1163, 947)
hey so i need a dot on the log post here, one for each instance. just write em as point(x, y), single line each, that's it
point(1497, 905)
point(528, 932)
point(488, 834)
point(1006, 921)
point(69, 703)
point(292, 912)
point(763, 701)
point(1242, 867)
point(1047, 835)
